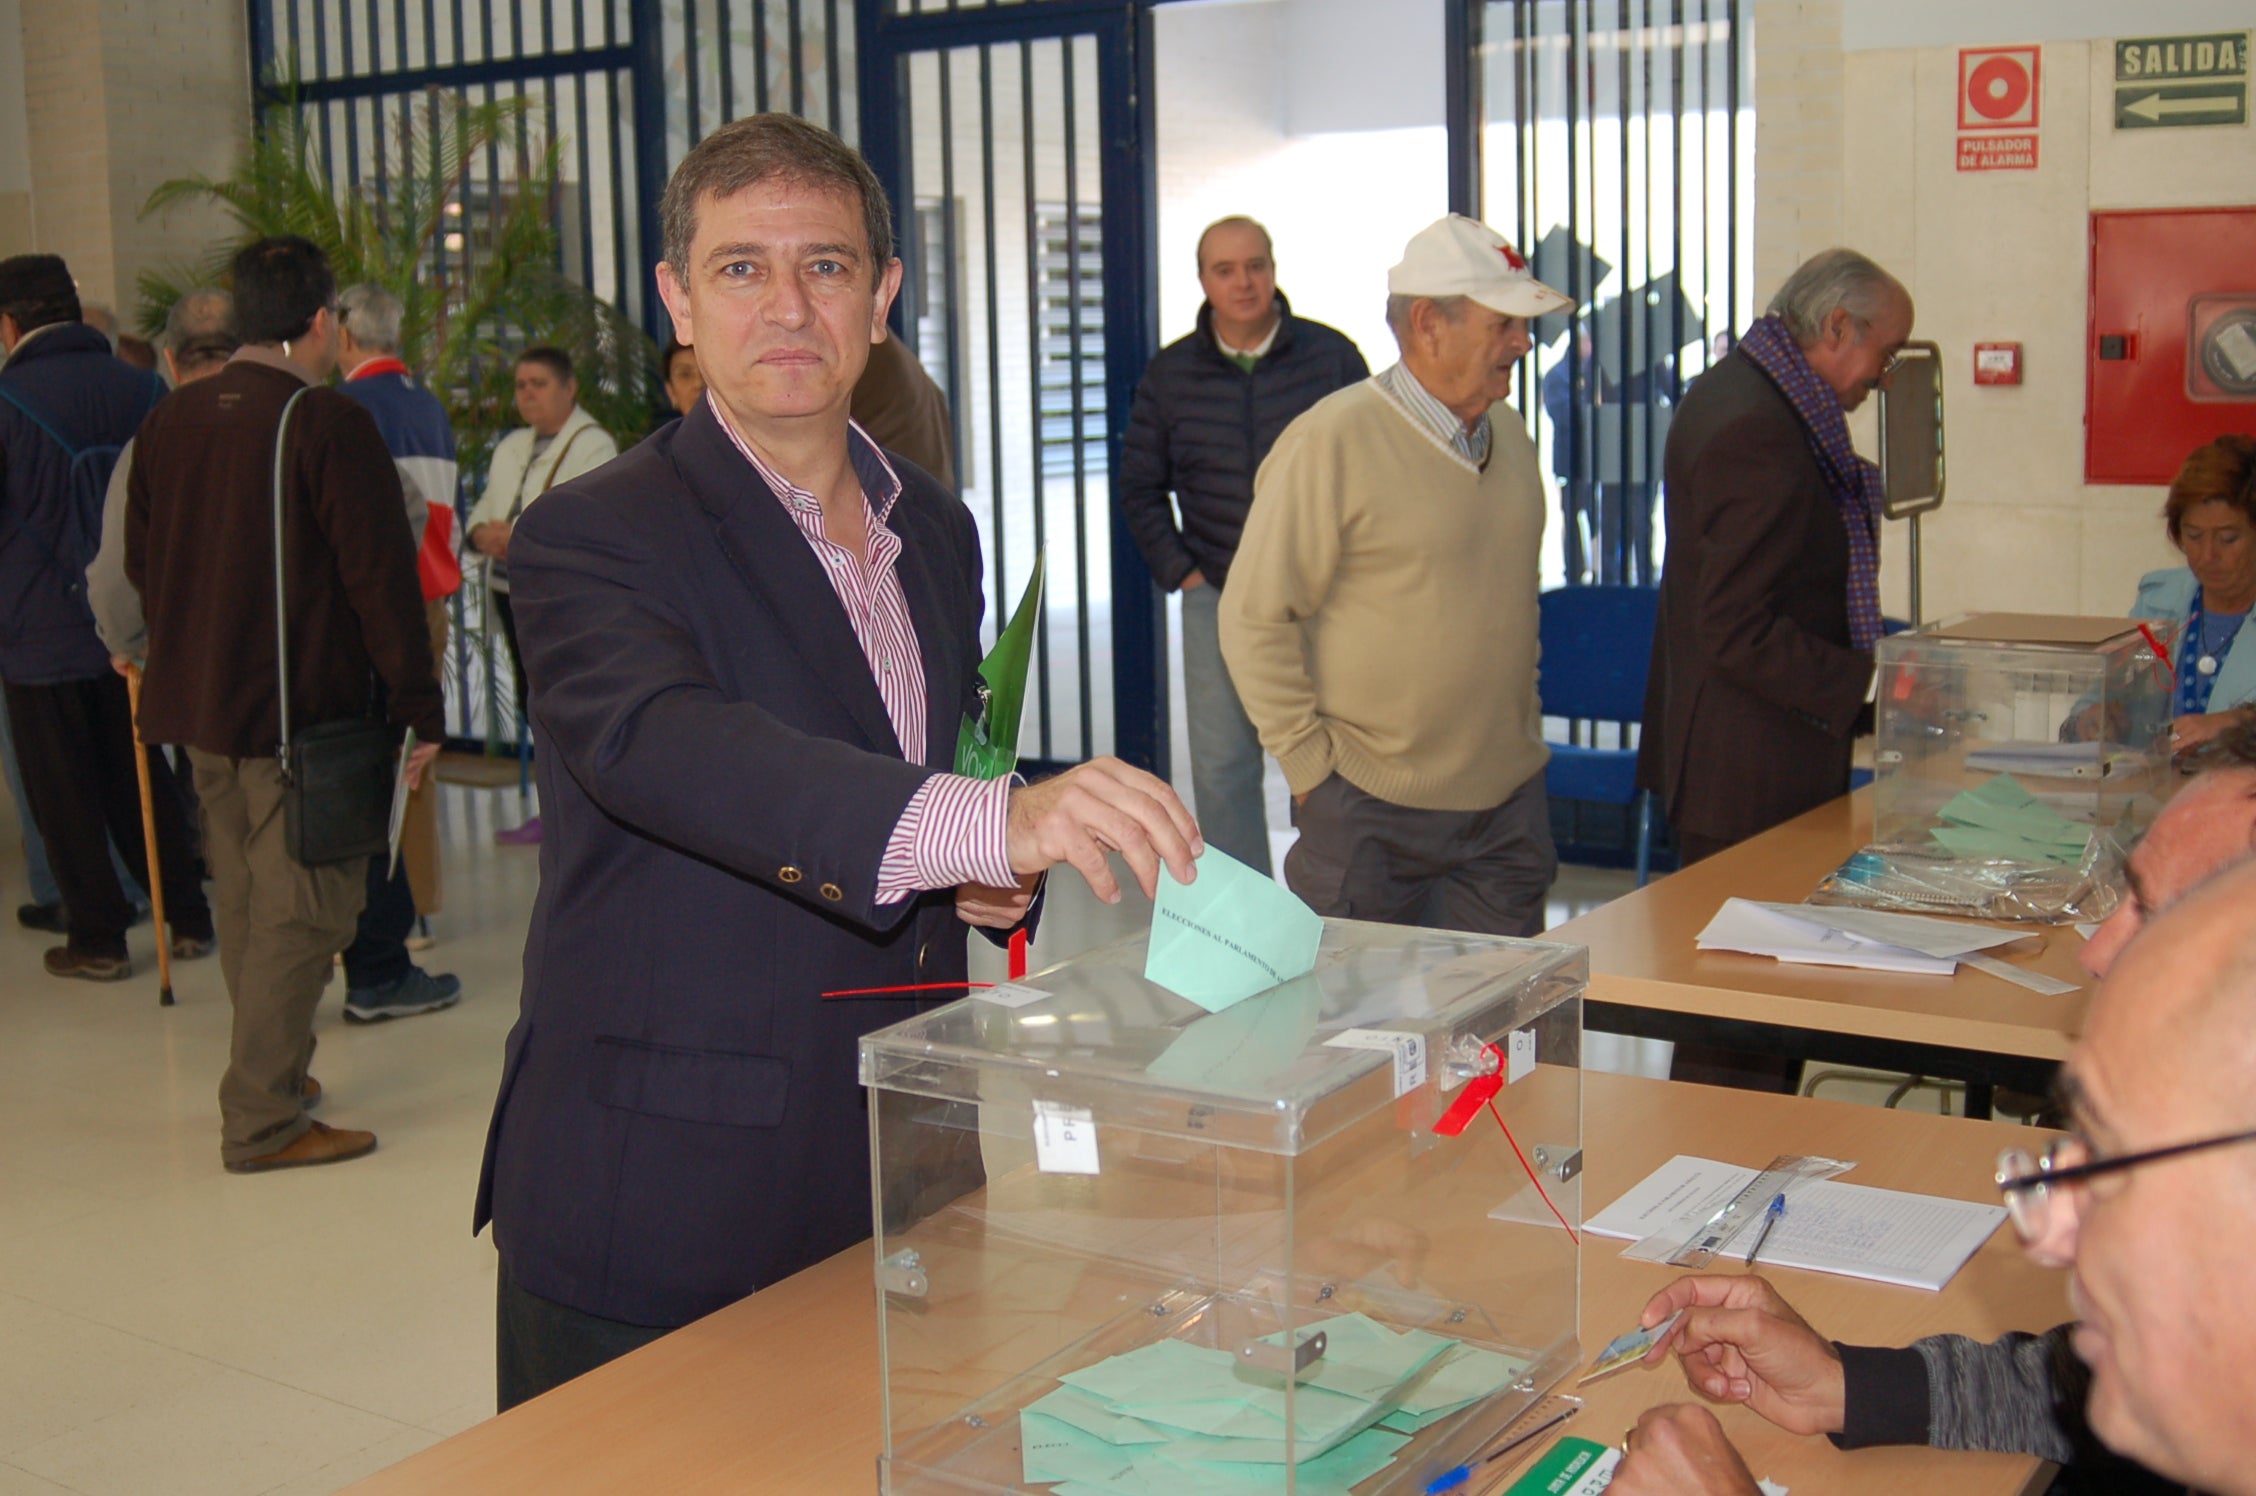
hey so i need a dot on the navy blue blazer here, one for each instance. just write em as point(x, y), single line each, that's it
point(680, 1120)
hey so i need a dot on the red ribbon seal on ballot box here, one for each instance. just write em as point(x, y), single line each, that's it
point(1478, 1092)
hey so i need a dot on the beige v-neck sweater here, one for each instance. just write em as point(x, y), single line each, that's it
point(1380, 617)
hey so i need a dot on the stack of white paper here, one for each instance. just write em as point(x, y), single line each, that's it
point(1869, 939)
point(1917, 1241)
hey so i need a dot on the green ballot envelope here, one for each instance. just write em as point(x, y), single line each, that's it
point(987, 743)
point(1228, 934)
point(1571, 1467)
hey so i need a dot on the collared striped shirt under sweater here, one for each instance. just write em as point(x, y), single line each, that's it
point(1434, 418)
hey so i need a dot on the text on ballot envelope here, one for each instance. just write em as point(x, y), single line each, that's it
point(1228, 934)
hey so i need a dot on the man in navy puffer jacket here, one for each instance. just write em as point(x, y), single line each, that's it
point(1207, 411)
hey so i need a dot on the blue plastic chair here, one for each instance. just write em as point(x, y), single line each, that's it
point(1597, 643)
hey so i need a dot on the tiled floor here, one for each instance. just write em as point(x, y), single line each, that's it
point(166, 1327)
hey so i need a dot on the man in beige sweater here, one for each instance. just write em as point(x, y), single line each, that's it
point(1380, 623)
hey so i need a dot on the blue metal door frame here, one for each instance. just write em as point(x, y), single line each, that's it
point(1128, 179)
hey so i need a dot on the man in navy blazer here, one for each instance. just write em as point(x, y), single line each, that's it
point(750, 641)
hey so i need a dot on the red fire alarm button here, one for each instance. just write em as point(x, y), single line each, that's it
point(1997, 363)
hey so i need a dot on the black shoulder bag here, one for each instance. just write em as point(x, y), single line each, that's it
point(336, 776)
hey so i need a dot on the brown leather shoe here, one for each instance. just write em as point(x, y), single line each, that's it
point(63, 961)
point(319, 1144)
point(309, 1094)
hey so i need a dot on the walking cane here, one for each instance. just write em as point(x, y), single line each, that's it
point(149, 841)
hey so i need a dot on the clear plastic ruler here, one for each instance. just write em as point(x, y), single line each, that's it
point(1736, 1214)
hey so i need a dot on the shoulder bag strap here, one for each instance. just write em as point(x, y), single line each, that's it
point(547, 483)
point(558, 465)
point(281, 609)
point(50, 549)
point(36, 419)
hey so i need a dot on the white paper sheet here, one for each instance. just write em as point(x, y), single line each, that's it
point(1870, 939)
point(1914, 932)
point(1887, 1236)
point(1757, 930)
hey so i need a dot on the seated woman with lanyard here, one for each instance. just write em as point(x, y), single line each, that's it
point(2211, 515)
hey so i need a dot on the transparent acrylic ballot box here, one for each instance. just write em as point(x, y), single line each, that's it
point(2076, 710)
point(1127, 1245)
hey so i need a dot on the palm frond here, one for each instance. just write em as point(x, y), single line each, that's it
point(463, 232)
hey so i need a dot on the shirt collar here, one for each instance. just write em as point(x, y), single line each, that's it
point(25, 341)
point(881, 485)
point(1414, 400)
point(381, 364)
point(1258, 350)
point(268, 358)
point(576, 418)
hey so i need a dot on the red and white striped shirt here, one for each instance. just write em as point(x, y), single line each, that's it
point(953, 829)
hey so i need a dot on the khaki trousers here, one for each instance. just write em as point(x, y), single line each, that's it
point(280, 925)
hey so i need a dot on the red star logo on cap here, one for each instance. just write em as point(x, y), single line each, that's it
point(1511, 256)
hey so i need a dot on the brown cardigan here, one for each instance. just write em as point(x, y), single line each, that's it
point(199, 545)
point(1755, 692)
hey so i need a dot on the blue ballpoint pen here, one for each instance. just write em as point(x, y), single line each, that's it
point(1514, 1437)
point(1770, 1219)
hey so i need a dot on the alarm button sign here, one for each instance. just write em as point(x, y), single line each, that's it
point(1997, 88)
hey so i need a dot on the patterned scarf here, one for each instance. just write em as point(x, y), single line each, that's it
point(1855, 482)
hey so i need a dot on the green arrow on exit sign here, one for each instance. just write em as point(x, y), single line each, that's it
point(2143, 108)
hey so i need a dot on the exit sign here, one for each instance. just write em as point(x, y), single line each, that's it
point(2167, 81)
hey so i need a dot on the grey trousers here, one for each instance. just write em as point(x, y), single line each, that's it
point(1487, 871)
point(1226, 760)
point(280, 927)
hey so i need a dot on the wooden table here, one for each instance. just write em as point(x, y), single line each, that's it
point(1647, 978)
point(779, 1393)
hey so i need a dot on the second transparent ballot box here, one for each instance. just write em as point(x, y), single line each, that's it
point(2075, 710)
point(1125, 1244)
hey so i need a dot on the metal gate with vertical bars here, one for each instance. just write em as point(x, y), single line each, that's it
point(629, 85)
point(1008, 136)
point(1614, 140)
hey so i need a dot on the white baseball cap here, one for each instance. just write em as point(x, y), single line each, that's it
point(1460, 256)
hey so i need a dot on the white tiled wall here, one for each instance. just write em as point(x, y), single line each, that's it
point(15, 151)
point(120, 95)
point(1990, 256)
point(1799, 112)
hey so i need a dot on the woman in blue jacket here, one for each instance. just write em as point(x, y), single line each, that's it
point(2211, 516)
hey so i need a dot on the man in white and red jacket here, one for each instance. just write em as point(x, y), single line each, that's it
point(380, 980)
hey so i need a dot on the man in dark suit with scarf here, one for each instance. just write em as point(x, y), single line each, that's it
point(750, 642)
point(1770, 601)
